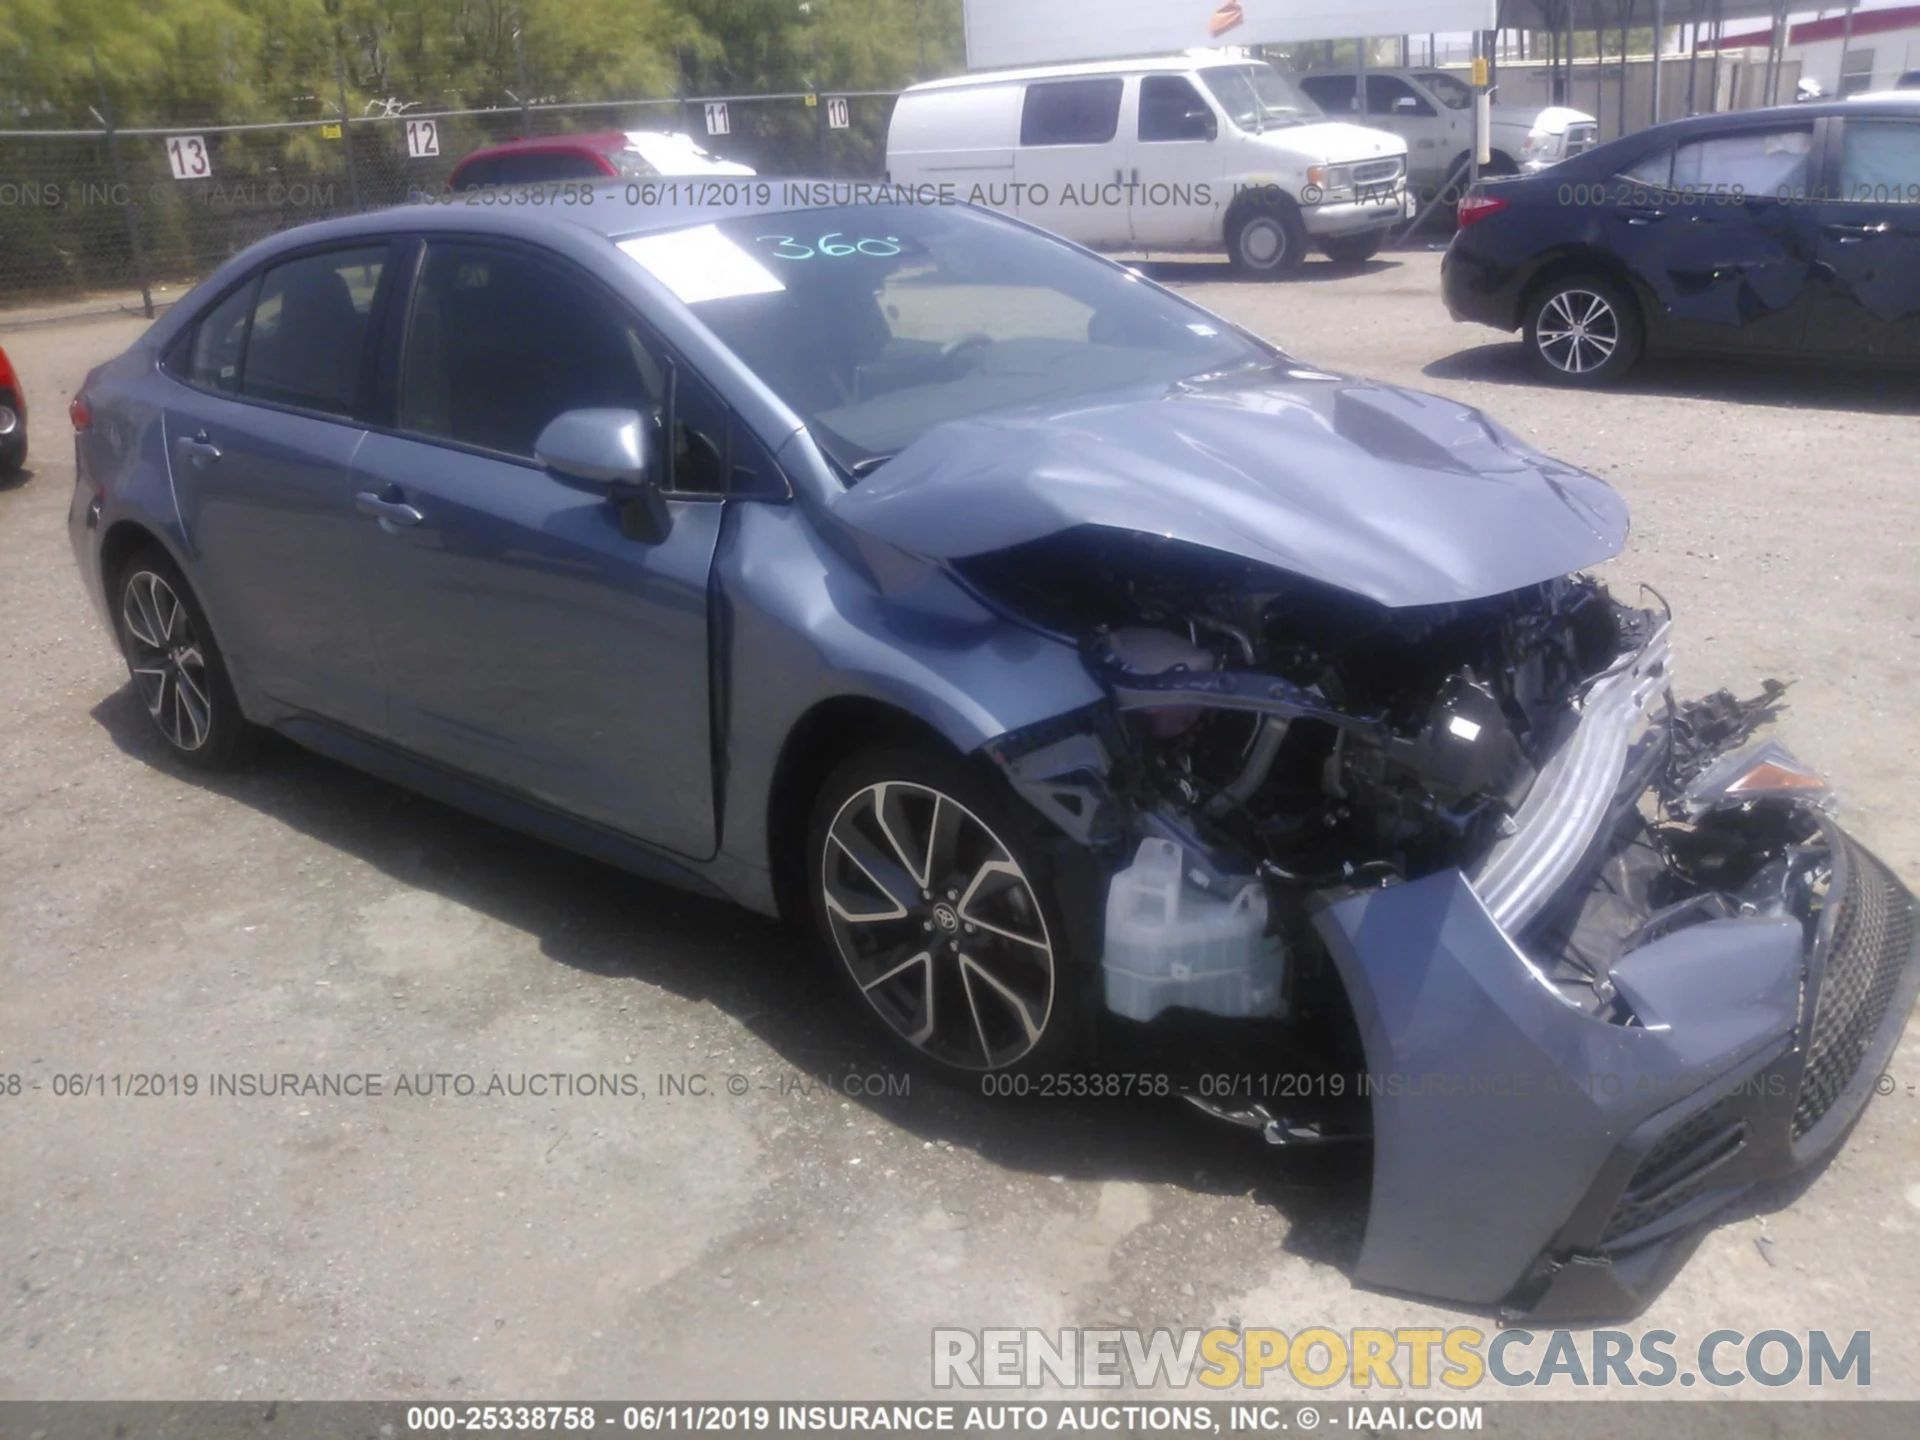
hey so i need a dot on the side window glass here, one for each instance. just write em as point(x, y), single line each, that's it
point(1332, 93)
point(1656, 170)
point(1171, 109)
point(1880, 162)
point(1384, 92)
point(501, 342)
point(700, 423)
point(219, 341)
point(309, 330)
point(755, 471)
point(1765, 163)
point(1071, 112)
point(475, 175)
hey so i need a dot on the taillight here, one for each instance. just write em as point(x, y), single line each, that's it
point(78, 412)
point(1476, 207)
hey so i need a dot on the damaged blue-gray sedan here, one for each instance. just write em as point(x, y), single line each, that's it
point(1074, 663)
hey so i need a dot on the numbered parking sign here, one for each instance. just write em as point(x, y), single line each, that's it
point(837, 112)
point(717, 118)
point(423, 139)
point(187, 157)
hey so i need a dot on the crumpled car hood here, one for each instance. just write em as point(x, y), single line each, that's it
point(1403, 497)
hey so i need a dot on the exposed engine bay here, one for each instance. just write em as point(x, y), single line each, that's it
point(1532, 916)
point(1283, 731)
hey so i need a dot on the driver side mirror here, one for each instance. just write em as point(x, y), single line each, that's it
point(1405, 105)
point(1200, 124)
point(609, 453)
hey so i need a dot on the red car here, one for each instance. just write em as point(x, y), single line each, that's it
point(13, 419)
point(629, 154)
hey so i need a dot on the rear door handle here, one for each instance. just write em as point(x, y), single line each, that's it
point(1635, 216)
point(387, 512)
point(199, 449)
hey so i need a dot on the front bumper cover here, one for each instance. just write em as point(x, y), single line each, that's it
point(1533, 1156)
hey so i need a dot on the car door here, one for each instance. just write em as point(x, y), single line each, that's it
point(1866, 272)
point(1718, 230)
point(1174, 190)
point(525, 638)
point(1072, 162)
point(261, 436)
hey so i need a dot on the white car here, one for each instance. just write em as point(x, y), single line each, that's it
point(1433, 112)
point(1193, 152)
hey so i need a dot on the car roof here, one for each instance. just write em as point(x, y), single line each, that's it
point(1190, 60)
point(619, 210)
point(599, 142)
point(1773, 114)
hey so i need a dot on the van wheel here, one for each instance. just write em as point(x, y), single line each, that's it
point(1583, 330)
point(1354, 249)
point(1267, 239)
point(952, 918)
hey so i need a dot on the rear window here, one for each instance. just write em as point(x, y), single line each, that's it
point(1071, 112)
point(309, 330)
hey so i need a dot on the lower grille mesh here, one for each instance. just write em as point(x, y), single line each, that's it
point(1871, 940)
point(1679, 1167)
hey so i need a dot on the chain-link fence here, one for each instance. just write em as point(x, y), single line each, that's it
point(94, 210)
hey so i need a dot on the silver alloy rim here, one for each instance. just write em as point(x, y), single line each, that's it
point(938, 925)
point(8, 420)
point(165, 657)
point(1577, 331)
point(1263, 244)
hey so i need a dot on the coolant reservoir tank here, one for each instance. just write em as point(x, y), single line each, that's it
point(1171, 944)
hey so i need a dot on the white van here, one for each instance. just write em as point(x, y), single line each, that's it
point(1180, 153)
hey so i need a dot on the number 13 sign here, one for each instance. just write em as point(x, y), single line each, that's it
point(187, 157)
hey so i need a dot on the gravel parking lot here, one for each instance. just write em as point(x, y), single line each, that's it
point(791, 1240)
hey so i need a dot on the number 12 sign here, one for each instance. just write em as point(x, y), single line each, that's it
point(187, 157)
point(423, 139)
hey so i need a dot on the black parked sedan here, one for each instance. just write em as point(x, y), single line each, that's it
point(1790, 231)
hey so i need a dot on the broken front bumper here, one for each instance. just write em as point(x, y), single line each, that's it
point(1533, 1154)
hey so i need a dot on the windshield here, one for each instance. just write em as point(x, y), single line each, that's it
point(1257, 97)
point(877, 322)
point(1449, 90)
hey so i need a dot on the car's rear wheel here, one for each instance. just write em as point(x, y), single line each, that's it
point(1354, 249)
point(1267, 239)
point(947, 915)
point(1583, 330)
point(177, 670)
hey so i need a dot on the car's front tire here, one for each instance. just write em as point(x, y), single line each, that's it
point(177, 670)
point(1267, 240)
point(1349, 250)
point(1583, 330)
point(951, 917)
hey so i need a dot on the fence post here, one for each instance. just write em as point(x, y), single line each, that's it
point(520, 79)
point(821, 134)
point(346, 124)
point(105, 116)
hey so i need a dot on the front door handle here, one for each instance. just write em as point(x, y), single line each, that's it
point(199, 449)
point(1635, 216)
point(387, 512)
